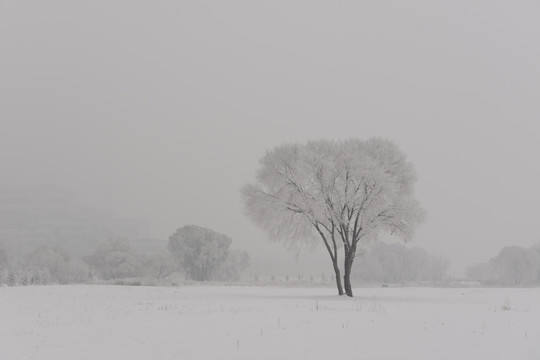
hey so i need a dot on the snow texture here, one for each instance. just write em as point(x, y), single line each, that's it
point(220, 322)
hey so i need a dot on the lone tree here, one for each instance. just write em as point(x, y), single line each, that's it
point(199, 251)
point(343, 192)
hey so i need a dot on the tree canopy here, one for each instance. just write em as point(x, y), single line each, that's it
point(115, 259)
point(342, 192)
point(199, 251)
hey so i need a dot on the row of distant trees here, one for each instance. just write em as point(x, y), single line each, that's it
point(41, 266)
point(200, 254)
point(396, 263)
point(513, 266)
point(112, 259)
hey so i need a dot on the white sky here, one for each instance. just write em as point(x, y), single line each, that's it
point(162, 109)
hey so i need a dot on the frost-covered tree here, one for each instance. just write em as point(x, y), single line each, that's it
point(516, 265)
point(50, 259)
point(24, 278)
point(158, 265)
point(482, 272)
point(60, 267)
point(344, 192)
point(233, 266)
point(115, 259)
point(199, 251)
point(396, 263)
point(368, 269)
point(11, 278)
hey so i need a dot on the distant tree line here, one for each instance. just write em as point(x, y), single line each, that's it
point(396, 263)
point(513, 266)
point(41, 266)
point(199, 257)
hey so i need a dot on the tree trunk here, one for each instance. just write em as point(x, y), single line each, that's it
point(338, 278)
point(349, 259)
point(348, 287)
point(333, 256)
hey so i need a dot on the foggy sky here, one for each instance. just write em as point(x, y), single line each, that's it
point(161, 110)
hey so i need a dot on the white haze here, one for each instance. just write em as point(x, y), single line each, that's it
point(161, 110)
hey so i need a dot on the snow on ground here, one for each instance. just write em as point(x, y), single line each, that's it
point(213, 322)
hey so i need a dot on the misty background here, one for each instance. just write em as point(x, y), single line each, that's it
point(138, 118)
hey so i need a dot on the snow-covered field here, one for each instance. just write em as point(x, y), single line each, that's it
point(213, 322)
